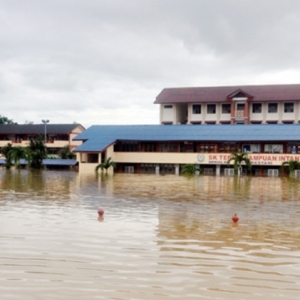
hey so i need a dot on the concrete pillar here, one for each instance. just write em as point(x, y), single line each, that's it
point(246, 113)
point(157, 170)
point(176, 169)
point(232, 121)
point(218, 170)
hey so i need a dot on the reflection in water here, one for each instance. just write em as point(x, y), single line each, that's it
point(162, 237)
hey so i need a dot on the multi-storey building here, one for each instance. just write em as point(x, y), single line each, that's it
point(265, 104)
point(56, 136)
point(271, 136)
point(166, 149)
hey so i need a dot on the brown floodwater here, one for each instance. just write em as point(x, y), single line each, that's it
point(161, 237)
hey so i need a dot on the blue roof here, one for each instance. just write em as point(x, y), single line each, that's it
point(48, 162)
point(98, 137)
point(59, 162)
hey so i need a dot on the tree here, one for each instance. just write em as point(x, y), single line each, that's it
point(239, 158)
point(66, 153)
point(190, 169)
point(37, 151)
point(291, 166)
point(106, 165)
point(6, 151)
point(5, 120)
point(16, 154)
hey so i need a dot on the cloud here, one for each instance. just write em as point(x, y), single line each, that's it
point(100, 61)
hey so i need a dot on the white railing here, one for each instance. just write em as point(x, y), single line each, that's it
point(239, 113)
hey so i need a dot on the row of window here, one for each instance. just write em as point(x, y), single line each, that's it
point(25, 137)
point(201, 147)
point(226, 108)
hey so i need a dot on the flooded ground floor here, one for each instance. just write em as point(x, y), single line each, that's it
point(226, 170)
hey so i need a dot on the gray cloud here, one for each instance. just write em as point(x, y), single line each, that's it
point(104, 62)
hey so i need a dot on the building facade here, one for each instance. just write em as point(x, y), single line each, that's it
point(265, 104)
point(165, 149)
point(271, 134)
point(56, 136)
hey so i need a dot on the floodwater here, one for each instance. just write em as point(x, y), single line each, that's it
point(161, 237)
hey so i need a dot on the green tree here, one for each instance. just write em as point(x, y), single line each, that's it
point(66, 153)
point(16, 154)
point(37, 151)
point(239, 158)
point(291, 166)
point(6, 151)
point(190, 169)
point(106, 165)
point(5, 120)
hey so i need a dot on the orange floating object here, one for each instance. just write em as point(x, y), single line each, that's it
point(100, 212)
point(235, 218)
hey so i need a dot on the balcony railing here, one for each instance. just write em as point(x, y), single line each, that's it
point(239, 114)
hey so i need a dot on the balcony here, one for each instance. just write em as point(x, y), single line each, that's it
point(239, 114)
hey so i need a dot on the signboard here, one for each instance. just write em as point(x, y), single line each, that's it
point(261, 159)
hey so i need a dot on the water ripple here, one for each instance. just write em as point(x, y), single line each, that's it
point(161, 237)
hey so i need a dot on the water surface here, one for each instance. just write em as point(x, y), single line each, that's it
point(161, 237)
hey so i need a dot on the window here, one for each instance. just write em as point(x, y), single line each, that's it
point(256, 108)
point(293, 148)
point(288, 107)
point(168, 106)
point(167, 169)
point(196, 109)
point(273, 148)
point(226, 108)
point(228, 147)
point(129, 169)
point(62, 137)
point(187, 147)
point(126, 146)
point(240, 106)
point(207, 147)
point(272, 107)
point(168, 147)
point(92, 158)
point(148, 168)
point(211, 108)
point(252, 148)
point(52, 151)
point(147, 147)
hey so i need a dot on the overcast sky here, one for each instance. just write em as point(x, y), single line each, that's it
point(105, 61)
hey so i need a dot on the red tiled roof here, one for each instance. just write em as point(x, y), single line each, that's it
point(281, 92)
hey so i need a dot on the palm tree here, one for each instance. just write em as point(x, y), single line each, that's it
point(16, 153)
point(190, 169)
point(37, 151)
point(239, 158)
point(6, 151)
point(291, 166)
point(106, 165)
point(66, 153)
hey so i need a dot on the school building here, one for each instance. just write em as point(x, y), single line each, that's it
point(203, 126)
